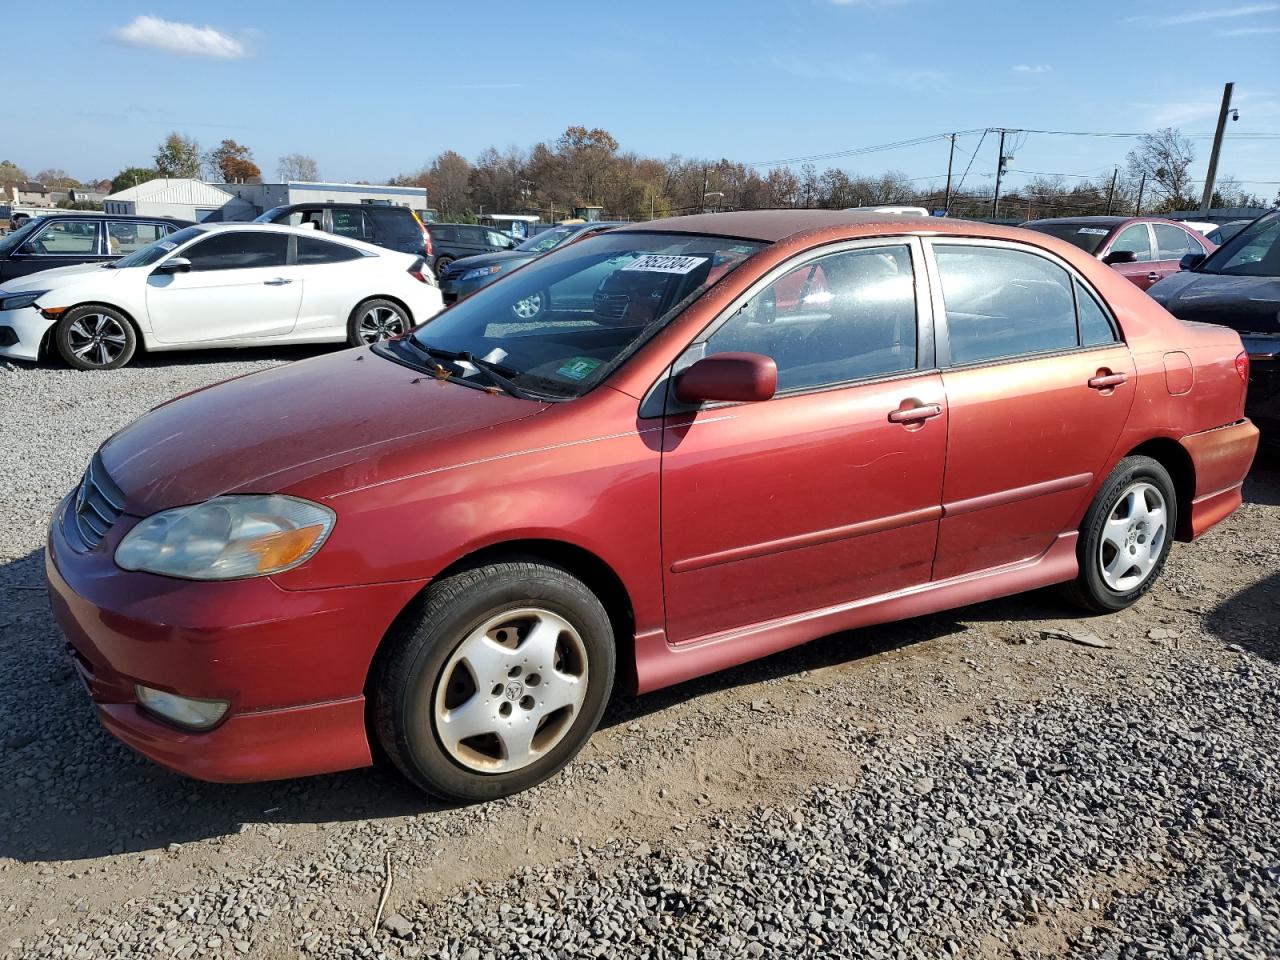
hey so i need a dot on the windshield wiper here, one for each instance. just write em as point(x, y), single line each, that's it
point(498, 374)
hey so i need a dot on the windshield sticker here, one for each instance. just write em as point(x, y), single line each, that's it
point(663, 263)
point(578, 368)
point(1094, 231)
point(167, 244)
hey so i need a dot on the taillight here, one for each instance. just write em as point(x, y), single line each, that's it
point(426, 241)
point(1242, 366)
point(422, 273)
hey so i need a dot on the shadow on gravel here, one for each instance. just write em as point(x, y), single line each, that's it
point(186, 358)
point(1250, 619)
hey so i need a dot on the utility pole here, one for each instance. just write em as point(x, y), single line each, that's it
point(1207, 200)
point(995, 200)
point(703, 207)
point(1111, 194)
point(946, 204)
point(1142, 185)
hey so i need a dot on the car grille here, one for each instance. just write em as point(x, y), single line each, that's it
point(612, 306)
point(97, 504)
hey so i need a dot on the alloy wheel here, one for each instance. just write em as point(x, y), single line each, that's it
point(1133, 537)
point(511, 690)
point(97, 339)
point(378, 324)
point(528, 308)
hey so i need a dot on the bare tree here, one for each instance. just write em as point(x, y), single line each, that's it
point(57, 178)
point(1164, 158)
point(297, 166)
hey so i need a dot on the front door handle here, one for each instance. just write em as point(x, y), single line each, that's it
point(915, 414)
point(1105, 381)
point(277, 282)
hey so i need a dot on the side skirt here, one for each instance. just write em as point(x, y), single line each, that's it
point(660, 664)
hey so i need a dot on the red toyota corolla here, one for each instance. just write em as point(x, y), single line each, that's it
point(722, 436)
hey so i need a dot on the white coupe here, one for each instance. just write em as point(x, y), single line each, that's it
point(217, 285)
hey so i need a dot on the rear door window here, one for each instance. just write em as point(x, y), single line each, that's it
point(1172, 242)
point(126, 236)
point(313, 250)
point(351, 223)
point(1002, 303)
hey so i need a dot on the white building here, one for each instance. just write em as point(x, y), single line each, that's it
point(183, 199)
point(265, 196)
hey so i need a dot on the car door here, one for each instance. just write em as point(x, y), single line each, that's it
point(328, 275)
point(352, 223)
point(1136, 238)
point(239, 285)
point(59, 243)
point(1038, 386)
point(830, 492)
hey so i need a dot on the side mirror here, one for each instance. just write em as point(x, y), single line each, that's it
point(732, 377)
point(1190, 261)
point(174, 265)
point(1121, 256)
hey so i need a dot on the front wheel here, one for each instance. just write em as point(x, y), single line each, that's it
point(1126, 536)
point(95, 337)
point(495, 681)
point(376, 320)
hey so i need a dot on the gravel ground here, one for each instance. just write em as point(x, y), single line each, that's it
point(972, 784)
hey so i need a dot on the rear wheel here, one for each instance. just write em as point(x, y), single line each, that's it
point(530, 307)
point(95, 338)
point(495, 681)
point(376, 320)
point(1126, 536)
point(442, 264)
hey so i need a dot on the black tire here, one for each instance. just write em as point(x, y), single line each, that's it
point(1090, 588)
point(442, 264)
point(410, 669)
point(390, 320)
point(94, 337)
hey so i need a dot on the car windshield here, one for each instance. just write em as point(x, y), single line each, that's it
point(1253, 252)
point(14, 240)
point(1083, 235)
point(558, 326)
point(545, 240)
point(152, 252)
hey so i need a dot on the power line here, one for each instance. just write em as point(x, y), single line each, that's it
point(972, 156)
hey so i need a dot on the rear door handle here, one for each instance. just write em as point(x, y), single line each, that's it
point(914, 414)
point(1106, 380)
point(1153, 276)
point(277, 282)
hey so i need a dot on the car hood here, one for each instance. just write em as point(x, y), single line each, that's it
point(57, 277)
point(1247, 304)
point(504, 257)
point(263, 432)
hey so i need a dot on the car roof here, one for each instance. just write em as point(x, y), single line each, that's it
point(771, 226)
point(331, 204)
point(99, 215)
point(1100, 221)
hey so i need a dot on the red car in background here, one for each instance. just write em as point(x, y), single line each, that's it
point(1144, 249)
point(763, 428)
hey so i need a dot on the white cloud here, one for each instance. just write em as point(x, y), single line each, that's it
point(1242, 11)
point(1032, 68)
point(1248, 31)
point(145, 31)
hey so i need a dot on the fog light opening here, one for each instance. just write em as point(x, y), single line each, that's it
point(183, 711)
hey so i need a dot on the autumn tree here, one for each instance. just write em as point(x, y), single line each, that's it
point(297, 166)
point(233, 162)
point(178, 156)
point(1165, 159)
point(11, 171)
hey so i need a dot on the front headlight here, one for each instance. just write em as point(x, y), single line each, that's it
point(477, 272)
point(16, 301)
point(228, 538)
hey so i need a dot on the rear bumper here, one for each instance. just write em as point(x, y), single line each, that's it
point(292, 664)
point(1221, 458)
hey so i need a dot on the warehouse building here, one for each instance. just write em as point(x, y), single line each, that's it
point(264, 196)
point(183, 199)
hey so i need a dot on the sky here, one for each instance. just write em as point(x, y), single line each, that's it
point(378, 88)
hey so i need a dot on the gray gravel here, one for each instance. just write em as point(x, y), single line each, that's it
point(977, 785)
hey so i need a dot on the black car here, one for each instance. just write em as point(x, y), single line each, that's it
point(465, 276)
point(396, 228)
point(1224, 232)
point(452, 241)
point(1238, 286)
point(64, 239)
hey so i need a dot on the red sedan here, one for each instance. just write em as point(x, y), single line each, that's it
point(752, 430)
point(1144, 249)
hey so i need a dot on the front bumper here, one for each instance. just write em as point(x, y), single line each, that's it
point(293, 664)
point(454, 290)
point(1263, 401)
point(21, 332)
